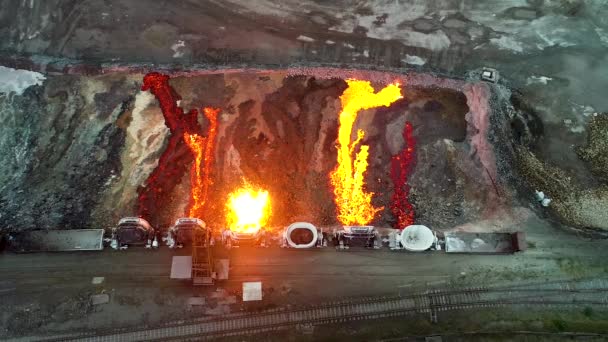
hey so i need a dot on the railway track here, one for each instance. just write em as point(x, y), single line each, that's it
point(431, 303)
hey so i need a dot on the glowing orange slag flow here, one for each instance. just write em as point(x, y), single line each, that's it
point(202, 148)
point(248, 209)
point(353, 203)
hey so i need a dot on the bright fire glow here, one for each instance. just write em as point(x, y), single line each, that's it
point(202, 148)
point(353, 203)
point(248, 209)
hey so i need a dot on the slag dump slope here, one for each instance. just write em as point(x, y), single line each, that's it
point(77, 150)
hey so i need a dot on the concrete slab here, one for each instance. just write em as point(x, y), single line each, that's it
point(100, 299)
point(181, 267)
point(252, 291)
point(98, 280)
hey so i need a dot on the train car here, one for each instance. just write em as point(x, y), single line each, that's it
point(134, 231)
point(362, 236)
point(303, 235)
point(182, 232)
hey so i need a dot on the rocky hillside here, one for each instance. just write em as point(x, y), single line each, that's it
point(77, 150)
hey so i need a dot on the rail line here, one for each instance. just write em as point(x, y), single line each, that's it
point(429, 302)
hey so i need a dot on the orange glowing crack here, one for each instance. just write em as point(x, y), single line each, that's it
point(202, 149)
point(352, 201)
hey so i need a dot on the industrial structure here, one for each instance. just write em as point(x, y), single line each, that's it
point(202, 257)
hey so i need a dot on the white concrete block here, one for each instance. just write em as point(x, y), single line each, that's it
point(98, 280)
point(252, 291)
